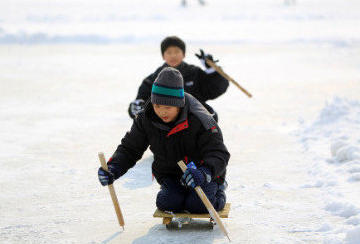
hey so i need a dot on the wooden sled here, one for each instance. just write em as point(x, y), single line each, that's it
point(167, 217)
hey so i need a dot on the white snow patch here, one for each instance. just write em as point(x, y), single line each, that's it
point(353, 236)
point(338, 176)
point(324, 228)
point(355, 220)
point(342, 209)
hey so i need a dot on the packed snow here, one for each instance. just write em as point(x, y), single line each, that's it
point(336, 171)
point(68, 70)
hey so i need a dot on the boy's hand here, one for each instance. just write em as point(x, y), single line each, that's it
point(135, 107)
point(203, 56)
point(106, 177)
point(195, 177)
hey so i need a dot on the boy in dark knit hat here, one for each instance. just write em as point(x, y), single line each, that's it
point(176, 127)
point(202, 84)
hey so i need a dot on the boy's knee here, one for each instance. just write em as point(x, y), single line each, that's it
point(193, 203)
point(220, 200)
point(166, 201)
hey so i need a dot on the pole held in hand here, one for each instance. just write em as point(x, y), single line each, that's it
point(112, 192)
point(207, 203)
point(221, 72)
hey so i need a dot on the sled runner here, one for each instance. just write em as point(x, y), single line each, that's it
point(167, 216)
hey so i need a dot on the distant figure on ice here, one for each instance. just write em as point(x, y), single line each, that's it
point(184, 2)
point(202, 84)
point(290, 2)
point(177, 127)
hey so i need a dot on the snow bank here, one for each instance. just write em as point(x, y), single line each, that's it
point(353, 236)
point(338, 127)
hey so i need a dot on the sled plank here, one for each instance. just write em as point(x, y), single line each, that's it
point(224, 213)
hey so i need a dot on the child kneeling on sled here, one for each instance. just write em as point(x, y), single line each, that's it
point(176, 127)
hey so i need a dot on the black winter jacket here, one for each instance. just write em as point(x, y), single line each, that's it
point(195, 137)
point(196, 82)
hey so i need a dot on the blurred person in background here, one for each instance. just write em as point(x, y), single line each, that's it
point(184, 2)
point(204, 85)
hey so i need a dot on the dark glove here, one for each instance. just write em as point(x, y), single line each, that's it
point(195, 177)
point(203, 56)
point(135, 107)
point(106, 177)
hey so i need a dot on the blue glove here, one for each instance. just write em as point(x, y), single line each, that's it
point(106, 177)
point(195, 177)
point(135, 107)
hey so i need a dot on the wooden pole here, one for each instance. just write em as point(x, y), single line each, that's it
point(112, 192)
point(207, 203)
point(221, 72)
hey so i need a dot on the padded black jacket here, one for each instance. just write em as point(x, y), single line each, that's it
point(195, 136)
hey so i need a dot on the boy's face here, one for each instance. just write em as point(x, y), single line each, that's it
point(173, 56)
point(166, 113)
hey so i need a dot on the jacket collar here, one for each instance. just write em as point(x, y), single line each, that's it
point(180, 122)
point(181, 67)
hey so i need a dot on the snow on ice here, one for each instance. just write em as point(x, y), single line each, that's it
point(337, 125)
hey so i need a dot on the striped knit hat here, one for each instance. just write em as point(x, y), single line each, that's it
point(168, 88)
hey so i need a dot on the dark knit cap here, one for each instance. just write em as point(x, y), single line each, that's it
point(168, 88)
point(172, 41)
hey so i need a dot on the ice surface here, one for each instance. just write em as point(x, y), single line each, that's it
point(294, 169)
